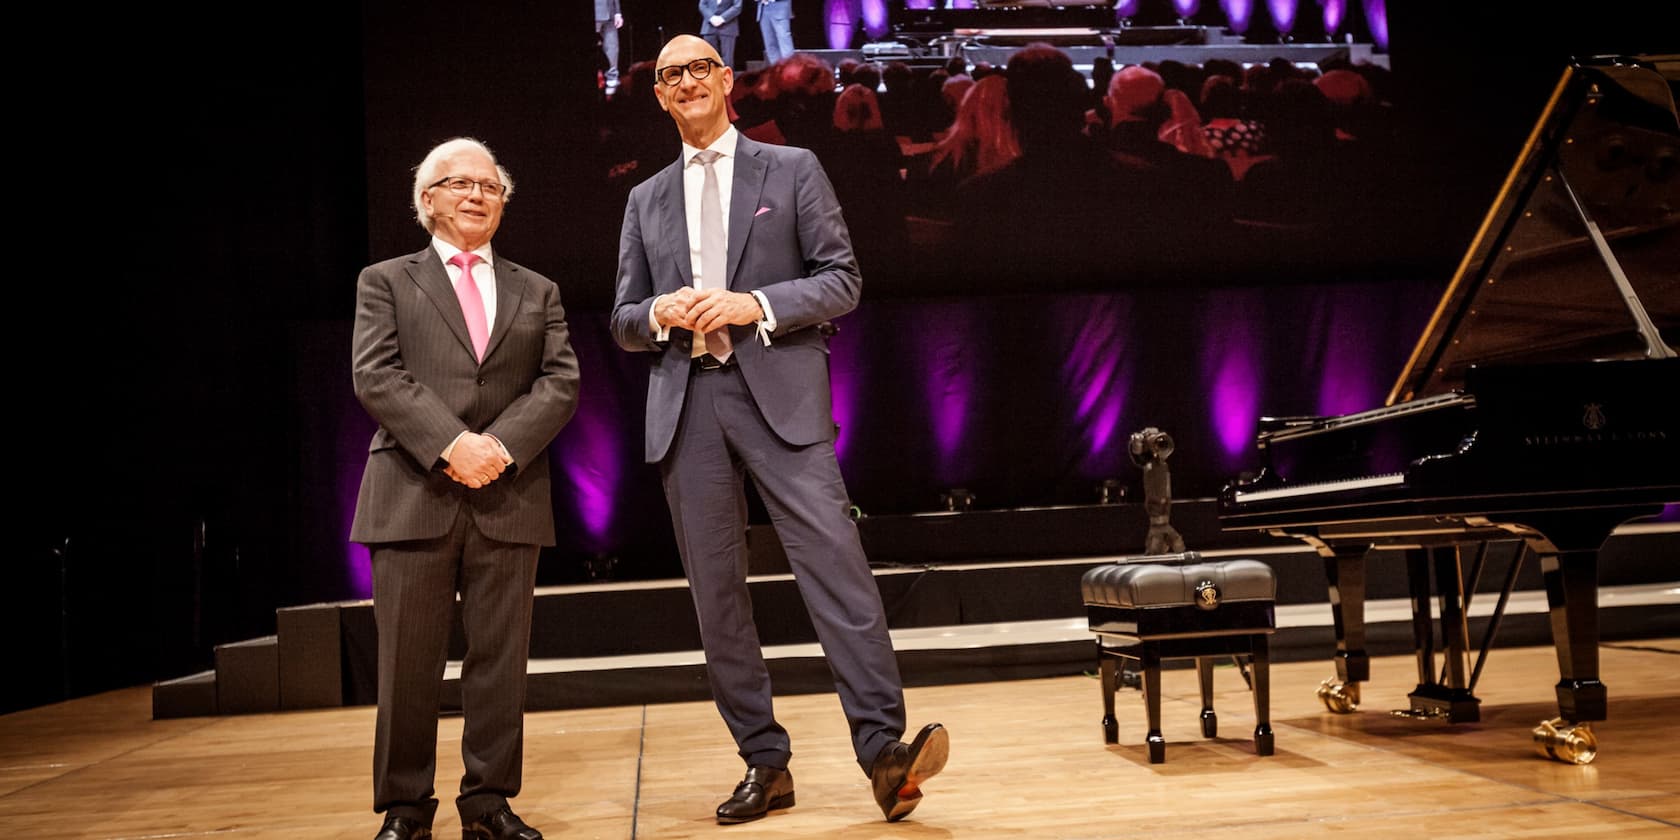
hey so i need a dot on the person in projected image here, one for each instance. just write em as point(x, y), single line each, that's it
point(720, 25)
point(730, 261)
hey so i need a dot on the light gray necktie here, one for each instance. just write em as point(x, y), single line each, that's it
point(714, 252)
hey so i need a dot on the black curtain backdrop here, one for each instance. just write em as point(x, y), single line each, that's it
point(212, 182)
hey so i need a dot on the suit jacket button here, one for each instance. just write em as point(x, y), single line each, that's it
point(481, 382)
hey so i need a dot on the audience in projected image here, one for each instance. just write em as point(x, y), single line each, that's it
point(1067, 211)
point(1169, 168)
point(864, 164)
point(980, 139)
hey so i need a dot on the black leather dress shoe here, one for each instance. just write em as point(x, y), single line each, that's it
point(403, 828)
point(900, 770)
point(764, 789)
point(500, 824)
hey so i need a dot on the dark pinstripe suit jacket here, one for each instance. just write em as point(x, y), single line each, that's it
point(413, 369)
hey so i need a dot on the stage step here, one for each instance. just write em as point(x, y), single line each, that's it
point(1053, 648)
point(952, 622)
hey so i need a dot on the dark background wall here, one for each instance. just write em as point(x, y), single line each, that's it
point(213, 180)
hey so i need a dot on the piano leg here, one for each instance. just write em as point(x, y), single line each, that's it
point(1345, 569)
point(1433, 698)
point(1571, 579)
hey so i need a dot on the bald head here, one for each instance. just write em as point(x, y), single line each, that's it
point(1133, 91)
point(689, 47)
point(693, 85)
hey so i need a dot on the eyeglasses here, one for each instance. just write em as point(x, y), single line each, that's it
point(493, 190)
point(699, 68)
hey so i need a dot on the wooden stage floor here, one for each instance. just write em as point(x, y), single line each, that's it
point(1027, 761)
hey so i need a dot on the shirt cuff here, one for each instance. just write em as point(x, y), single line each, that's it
point(767, 324)
point(660, 331)
point(447, 450)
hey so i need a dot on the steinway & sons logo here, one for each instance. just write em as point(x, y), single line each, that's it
point(1594, 422)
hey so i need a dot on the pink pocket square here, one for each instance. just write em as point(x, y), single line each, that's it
point(761, 211)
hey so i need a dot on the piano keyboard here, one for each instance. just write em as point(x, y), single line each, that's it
point(1316, 487)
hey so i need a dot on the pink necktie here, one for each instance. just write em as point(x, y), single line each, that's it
point(472, 306)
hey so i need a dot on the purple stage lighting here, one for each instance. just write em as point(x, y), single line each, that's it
point(1237, 14)
point(1335, 12)
point(874, 18)
point(352, 454)
point(588, 454)
point(1376, 16)
point(844, 372)
point(358, 564)
point(842, 18)
point(1283, 16)
point(1187, 9)
point(1127, 8)
point(1229, 362)
point(949, 382)
point(1099, 375)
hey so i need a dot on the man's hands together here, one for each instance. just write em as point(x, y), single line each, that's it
point(705, 310)
point(476, 460)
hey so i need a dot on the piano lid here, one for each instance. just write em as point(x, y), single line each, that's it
point(1579, 256)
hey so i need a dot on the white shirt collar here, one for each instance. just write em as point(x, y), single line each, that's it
point(448, 251)
point(724, 145)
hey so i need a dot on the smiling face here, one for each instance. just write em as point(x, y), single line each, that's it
point(469, 220)
point(700, 107)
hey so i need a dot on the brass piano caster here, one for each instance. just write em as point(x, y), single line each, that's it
point(1570, 743)
point(1339, 697)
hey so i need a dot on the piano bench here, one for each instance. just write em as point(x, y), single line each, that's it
point(1172, 606)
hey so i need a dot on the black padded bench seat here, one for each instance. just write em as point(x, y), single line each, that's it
point(1174, 606)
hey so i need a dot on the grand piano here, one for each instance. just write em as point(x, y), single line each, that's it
point(1536, 408)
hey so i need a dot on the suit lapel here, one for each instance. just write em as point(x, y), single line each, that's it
point(748, 187)
point(510, 289)
point(670, 200)
point(427, 272)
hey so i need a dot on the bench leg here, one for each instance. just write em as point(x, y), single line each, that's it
point(1108, 667)
point(1204, 677)
point(1261, 648)
point(1152, 702)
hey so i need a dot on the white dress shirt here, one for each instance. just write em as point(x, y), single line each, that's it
point(694, 183)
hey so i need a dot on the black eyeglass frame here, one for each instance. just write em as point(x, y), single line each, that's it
point(699, 75)
point(494, 190)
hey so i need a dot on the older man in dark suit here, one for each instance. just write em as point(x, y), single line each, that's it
point(463, 358)
point(729, 260)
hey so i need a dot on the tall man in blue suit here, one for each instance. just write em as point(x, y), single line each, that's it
point(729, 260)
point(463, 357)
point(720, 25)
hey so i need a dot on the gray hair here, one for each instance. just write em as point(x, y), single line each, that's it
point(427, 173)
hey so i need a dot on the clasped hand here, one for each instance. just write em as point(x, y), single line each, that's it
point(476, 460)
point(705, 310)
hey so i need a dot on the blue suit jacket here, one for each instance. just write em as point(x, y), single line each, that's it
point(787, 240)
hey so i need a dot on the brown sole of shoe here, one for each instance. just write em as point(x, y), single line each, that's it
point(780, 803)
point(931, 749)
